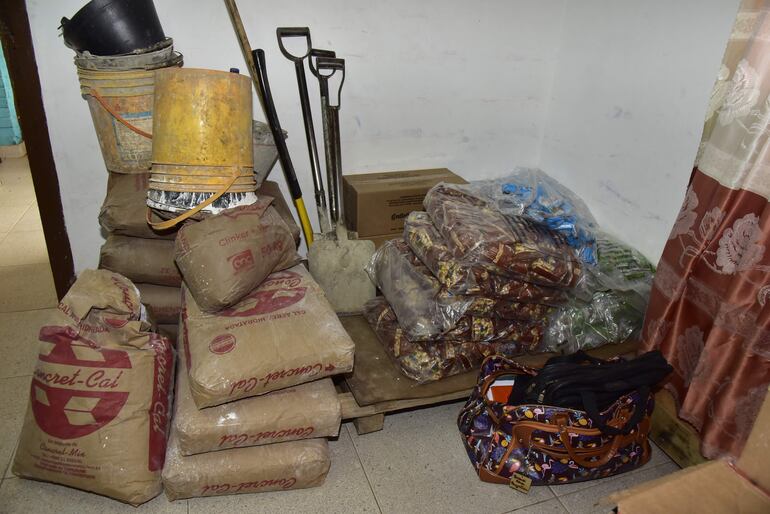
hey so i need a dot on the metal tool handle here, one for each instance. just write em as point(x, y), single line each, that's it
point(314, 54)
point(326, 68)
point(283, 32)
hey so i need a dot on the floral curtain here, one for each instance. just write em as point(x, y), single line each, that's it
point(709, 311)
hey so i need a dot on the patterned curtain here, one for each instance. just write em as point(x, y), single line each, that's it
point(709, 311)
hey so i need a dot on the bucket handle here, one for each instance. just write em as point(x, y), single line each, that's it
point(94, 93)
point(164, 225)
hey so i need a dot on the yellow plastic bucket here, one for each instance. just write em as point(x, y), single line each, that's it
point(202, 137)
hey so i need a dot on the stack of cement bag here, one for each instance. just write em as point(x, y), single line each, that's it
point(470, 279)
point(258, 341)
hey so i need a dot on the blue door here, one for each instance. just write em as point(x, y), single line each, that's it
point(10, 133)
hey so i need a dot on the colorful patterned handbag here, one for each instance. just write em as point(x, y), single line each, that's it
point(541, 444)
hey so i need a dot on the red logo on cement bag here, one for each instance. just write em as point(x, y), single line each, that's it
point(222, 344)
point(70, 413)
point(283, 293)
point(241, 260)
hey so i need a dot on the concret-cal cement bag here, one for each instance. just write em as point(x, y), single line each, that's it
point(124, 210)
point(224, 257)
point(301, 412)
point(98, 411)
point(163, 303)
point(253, 469)
point(281, 334)
point(149, 261)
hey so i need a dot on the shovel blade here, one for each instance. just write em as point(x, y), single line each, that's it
point(338, 267)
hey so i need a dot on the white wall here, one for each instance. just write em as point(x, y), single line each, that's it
point(478, 87)
point(627, 106)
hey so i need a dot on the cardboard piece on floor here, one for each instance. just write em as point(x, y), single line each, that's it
point(712, 487)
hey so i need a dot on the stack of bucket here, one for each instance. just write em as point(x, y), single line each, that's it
point(120, 45)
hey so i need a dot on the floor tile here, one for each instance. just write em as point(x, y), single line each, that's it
point(586, 500)
point(658, 458)
point(552, 506)
point(11, 213)
point(18, 340)
point(345, 490)
point(418, 464)
point(23, 247)
point(26, 287)
point(13, 405)
point(28, 496)
point(30, 220)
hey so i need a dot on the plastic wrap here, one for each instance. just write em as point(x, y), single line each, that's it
point(618, 289)
point(494, 329)
point(531, 193)
point(476, 232)
point(458, 277)
point(432, 360)
point(301, 412)
point(414, 292)
point(253, 469)
point(100, 397)
point(282, 334)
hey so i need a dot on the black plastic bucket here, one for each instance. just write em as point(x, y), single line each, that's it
point(113, 27)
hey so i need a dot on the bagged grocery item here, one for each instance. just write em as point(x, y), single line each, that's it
point(426, 361)
point(99, 401)
point(225, 256)
point(141, 260)
point(478, 233)
point(124, 210)
point(163, 303)
point(531, 193)
point(253, 469)
point(299, 412)
point(281, 334)
point(458, 277)
point(413, 292)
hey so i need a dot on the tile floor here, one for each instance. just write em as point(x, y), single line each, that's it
point(416, 464)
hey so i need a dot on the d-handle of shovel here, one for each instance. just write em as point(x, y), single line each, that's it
point(313, 56)
point(284, 32)
point(326, 68)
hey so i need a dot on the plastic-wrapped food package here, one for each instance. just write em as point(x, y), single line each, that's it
point(431, 360)
point(490, 329)
point(618, 290)
point(531, 193)
point(477, 232)
point(458, 277)
point(98, 412)
point(414, 292)
point(485, 306)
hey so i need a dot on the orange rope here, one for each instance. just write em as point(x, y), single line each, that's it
point(133, 128)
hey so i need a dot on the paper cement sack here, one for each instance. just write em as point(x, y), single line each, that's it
point(124, 211)
point(98, 411)
point(281, 334)
point(253, 469)
point(149, 261)
point(163, 303)
point(272, 190)
point(224, 257)
point(299, 412)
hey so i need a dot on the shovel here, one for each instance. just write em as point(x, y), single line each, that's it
point(338, 264)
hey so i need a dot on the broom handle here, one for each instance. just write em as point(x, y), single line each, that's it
point(235, 17)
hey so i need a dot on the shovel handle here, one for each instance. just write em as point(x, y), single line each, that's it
point(284, 32)
point(315, 53)
point(333, 65)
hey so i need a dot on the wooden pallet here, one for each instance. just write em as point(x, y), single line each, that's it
point(376, 386)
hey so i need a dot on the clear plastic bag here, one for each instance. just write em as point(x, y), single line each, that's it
point(426, 361)
point(531, 193)
point(458, 277)
point(414, 292)
point(477, 232)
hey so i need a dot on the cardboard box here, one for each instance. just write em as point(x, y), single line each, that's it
point(378, 203)
point(712, 487)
